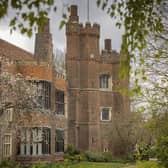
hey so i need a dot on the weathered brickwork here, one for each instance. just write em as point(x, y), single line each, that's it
point(91, 99)
point(38, 67)
point(86, 98)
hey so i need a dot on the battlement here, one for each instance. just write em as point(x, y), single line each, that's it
point(108, 54)
point(73, 25)
point(90, 29)
point(112, 56)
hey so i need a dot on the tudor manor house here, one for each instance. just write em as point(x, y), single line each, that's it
point(78, 109)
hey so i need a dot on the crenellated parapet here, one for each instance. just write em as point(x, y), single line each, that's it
point(109, 55)
point(89, 29)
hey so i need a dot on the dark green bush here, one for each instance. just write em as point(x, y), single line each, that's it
point(9, 164)
point(107, 156)
point(142, 153)
point(162, 150)
point(98, 157)
point(93, 156)
point(71, 150)
point(153, 152)
point(72, 154)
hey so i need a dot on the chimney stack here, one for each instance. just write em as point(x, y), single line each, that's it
point(46, 26)
point(107, 44)
point(74, 13)
point(43, 43)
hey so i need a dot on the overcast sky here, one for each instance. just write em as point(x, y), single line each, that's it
point(108, 29)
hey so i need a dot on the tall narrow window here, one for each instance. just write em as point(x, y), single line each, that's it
point(44, 92)
point(104, 81)
point(60, 106)
point(7, 145)
point(46, 143)
point(35, 141)
point(59, 140)
point(9, 114)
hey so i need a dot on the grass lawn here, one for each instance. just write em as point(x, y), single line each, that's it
point(98, 165)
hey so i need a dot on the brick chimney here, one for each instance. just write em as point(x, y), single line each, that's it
point(107, 43)
point(74, 14)
point(43, 44)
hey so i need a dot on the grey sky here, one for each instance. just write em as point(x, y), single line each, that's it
point(108, 29)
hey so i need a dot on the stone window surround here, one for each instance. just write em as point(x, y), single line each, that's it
point(110, 113)
point(60, 103)
point(7, 146)
point(110, 84)
point(36, 142)
point(59, 129)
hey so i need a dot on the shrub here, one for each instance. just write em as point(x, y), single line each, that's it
point(142, 153)
point(9, 164)
point(148, 164)
point(107, 156)
point(153, 152)
point(93, 156)
point(98, 157)
point(72, 154)
point(71, 150)
point(162, 150)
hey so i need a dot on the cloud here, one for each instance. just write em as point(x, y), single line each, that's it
point(108, 29)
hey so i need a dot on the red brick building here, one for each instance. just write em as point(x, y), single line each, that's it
point(78, 110)
point(93, 100)
point(42, 135)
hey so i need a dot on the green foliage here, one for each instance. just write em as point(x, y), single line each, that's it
point(98, 157)
point(40, 165)
point(71, 150)
point(107, 156)
point(141, 19)
point(162, 150)
point(142, 152)
point(72, 154)
point(33, 13)
point(9, 164)
point(148, 164)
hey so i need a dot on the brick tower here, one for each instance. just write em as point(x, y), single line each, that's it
point(91, 76)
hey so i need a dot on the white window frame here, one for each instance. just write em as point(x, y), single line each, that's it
point(110, 85)
point(6, 153)
point(101, 113)
point(33, 137)
point(9, 114)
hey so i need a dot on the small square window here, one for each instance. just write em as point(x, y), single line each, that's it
point(106, 114)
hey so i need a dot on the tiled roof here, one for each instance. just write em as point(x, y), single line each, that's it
point(13, 52)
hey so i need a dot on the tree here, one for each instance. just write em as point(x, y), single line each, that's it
point(140, 18)
point(59, 61)
point(28, 15)
point(17, 96)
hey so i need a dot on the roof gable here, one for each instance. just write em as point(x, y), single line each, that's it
point(13, 52)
